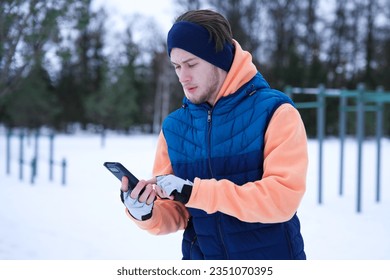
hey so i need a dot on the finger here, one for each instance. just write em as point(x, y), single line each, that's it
point(125, 183)
point(138, 188)
point(152, 181)
point(148, 189)
point(151, 198)
point(160, 192)
point(157, 189)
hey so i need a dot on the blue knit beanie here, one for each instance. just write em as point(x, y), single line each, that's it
point(197, 40)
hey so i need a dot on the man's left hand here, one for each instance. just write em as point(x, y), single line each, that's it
point(174, 186)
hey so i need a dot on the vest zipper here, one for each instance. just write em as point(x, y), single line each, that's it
point(209, 140)
point(192, 247)
point(221, 236)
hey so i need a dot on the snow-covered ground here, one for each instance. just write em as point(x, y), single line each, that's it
point(85, 220)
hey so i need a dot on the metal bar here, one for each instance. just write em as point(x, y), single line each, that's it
point(51, 156)
point(372, 108)
point(63, 164)
point(21, 154)
point(36, 151)
point(307, 105)
point(320, 135)
point(8, 151)
point(379, 133)
point(360, 135)
point(342, 132)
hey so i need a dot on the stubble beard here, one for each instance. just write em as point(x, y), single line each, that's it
point(210, 93)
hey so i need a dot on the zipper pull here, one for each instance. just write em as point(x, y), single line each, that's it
point(209, 116)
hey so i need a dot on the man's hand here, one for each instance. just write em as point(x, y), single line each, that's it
point(139, 202)
point(174, 187)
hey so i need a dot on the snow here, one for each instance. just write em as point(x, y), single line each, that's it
point(85, 219)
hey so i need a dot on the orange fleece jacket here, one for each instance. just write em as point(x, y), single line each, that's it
point(275, 198)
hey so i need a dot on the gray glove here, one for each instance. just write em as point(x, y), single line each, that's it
point(179, 188)
point(139, 210)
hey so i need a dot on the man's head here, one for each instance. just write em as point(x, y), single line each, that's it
point(201, 49)
point(206, 34)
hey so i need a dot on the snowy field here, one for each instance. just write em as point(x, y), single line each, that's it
point(85, 220)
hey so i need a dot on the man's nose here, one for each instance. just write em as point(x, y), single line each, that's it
point(184, 76)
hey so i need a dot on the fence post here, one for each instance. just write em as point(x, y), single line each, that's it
point(8, 152)
point(33, 170)
point(36, 151)
point(342, 132)
point(320, 135)
point(63, 172)
point(360, 135)
point(379, 127)
point(21, 154)
point(103, 138)
point(51, 156)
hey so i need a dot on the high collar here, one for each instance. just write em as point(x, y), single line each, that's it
point(241, 72)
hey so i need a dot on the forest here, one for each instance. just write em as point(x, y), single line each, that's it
point(58, 68)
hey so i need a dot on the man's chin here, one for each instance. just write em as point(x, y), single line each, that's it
point(192, 99)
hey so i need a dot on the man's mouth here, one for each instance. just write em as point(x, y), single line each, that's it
point(190, 89)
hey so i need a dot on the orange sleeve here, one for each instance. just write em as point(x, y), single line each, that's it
point(274, 198)
point(162, 163)
point(168, 216)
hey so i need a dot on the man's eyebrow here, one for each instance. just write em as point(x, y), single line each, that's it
point(184, 61)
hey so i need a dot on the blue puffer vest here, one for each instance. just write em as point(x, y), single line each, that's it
point(226, 142)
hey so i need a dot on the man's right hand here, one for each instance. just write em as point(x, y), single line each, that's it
point(139, 202)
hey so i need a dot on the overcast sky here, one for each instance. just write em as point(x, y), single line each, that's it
point(119, 11)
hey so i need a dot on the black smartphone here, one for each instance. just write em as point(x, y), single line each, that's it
point(119, 171)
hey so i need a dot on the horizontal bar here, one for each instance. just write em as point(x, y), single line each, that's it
point(377, 98)
point(306, 105)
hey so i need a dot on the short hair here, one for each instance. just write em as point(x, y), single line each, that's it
point(215, 23)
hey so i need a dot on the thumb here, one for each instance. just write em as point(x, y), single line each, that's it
point(125, 183)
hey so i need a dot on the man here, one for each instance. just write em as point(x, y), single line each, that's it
point(231, 163)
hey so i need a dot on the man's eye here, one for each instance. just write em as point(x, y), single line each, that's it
point(177, 67)
point(191, 65)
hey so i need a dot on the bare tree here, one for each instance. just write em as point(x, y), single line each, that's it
point(310, 43)
point(245, 20)
point(372, 9)
point(283, 17)
point(164, 90)
point(339, 40)
point(186, 5)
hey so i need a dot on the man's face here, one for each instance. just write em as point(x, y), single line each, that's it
point(201, 81)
